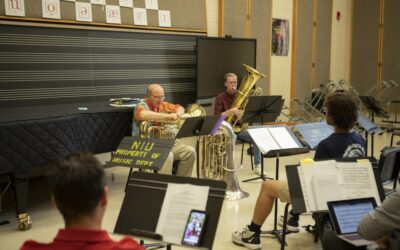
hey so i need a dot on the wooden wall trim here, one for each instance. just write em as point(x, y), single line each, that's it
point(314, 45)
point(294, 52)
point(248, 18)
point(221, 6)
point(92, 25)
point(380, 47)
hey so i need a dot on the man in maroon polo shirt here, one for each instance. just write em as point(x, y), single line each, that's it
point(80, 194)
point(223, 103)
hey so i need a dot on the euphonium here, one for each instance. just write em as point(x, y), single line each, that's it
point(217, 155)
point(169, 130)
point(245, 90)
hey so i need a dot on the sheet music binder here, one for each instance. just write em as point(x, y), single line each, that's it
point(144, 197)
point(299, 198)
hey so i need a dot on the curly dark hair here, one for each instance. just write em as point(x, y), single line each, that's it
point(342, 110)
point(77, 183)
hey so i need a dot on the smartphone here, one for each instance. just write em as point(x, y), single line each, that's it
point(194, 228)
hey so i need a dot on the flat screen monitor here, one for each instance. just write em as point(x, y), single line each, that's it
point(218, 56)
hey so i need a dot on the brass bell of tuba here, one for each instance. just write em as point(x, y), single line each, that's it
point(217, 160)
point(242, 96)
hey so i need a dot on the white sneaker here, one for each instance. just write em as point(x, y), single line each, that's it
point(257, 170)
point(247, 238)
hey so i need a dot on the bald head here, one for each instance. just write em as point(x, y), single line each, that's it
point(155, 87)
point(155, 94)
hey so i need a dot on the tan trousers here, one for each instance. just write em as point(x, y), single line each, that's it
point(186, 155)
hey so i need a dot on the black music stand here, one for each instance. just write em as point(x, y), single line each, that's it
point(260, 109)
point(280, 146)
point(375, 109)
point(370, 129)
point(136, 204)
point(197, 126)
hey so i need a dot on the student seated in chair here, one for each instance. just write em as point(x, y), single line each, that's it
point(79, 192)
point(343, 143)
point(375, 226)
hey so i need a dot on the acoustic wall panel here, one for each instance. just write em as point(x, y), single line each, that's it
point(184, 14)
point(364, 55)
point(260, 28)
point(303, 76)
point(40, 66)
point(235, 18)
point(391, 47)
point(323, 43)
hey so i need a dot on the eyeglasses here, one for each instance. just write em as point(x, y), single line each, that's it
point(161, 97)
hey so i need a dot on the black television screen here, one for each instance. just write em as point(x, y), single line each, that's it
point(218, 56)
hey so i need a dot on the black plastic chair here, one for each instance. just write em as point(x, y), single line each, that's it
point(389, 166)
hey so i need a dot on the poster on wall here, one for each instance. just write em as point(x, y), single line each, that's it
point(280, 37)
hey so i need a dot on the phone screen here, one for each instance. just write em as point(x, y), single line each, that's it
point(194, 228)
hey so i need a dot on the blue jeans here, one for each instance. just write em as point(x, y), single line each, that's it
point(245, 136)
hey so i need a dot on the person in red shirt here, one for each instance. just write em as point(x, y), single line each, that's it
point(79, 192)
point(156, 110)
point(223, 103)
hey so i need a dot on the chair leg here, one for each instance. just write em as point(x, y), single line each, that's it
point(251, 159)
point(241, 157)
point(391, 140)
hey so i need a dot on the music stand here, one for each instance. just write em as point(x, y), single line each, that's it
point(375, 109)
point(136, 203)
point(278, 139)
point(370, 128)
point(197, 126)
point(260, 109)
point(314, 132)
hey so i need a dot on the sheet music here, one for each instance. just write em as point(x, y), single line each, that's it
point(325, 189)
point(179, 200)
point(358, 180)
point(353, 180)
point(283, 137)
point(307, 172)
point(263, 139)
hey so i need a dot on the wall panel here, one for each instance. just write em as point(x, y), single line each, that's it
point(304, 48)
point(391, 47)
point(260, 28)
point(323, 42)
point(364, 55)
point(184, 14)
point(50, 66)
point(235, 18)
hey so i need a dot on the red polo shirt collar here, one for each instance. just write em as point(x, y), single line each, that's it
point(82, 235)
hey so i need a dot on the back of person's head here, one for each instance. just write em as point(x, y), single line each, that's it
point(78, 183)
point(341, 109)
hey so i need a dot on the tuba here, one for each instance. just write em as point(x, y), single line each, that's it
point(242, 96)
point(217, 157)
point(168, 131)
